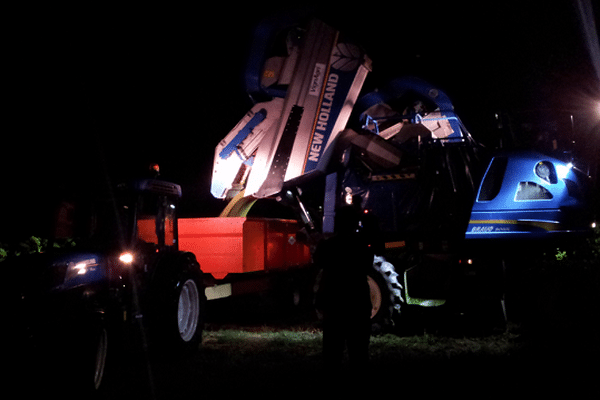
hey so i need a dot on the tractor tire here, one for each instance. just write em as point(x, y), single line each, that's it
point(176, 307)
point(99, 360)
point(87, 358)
point(386, 295)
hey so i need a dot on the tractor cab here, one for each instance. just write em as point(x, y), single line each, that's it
point(154, 218)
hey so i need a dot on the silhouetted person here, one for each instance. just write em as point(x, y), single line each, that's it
point(344, 295)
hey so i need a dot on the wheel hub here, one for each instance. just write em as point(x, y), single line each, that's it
point(188, 310)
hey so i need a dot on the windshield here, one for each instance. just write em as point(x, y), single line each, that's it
point(156, 219)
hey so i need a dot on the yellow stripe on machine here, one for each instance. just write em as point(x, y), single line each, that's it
point(393, 177)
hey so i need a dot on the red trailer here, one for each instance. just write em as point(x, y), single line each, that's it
point(228, 247)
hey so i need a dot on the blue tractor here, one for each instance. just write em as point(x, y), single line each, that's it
point(124, 286)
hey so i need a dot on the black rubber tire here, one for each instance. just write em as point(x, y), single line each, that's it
point(99, 356)
point(386, 295)
point(86, 359)
point(177, 307)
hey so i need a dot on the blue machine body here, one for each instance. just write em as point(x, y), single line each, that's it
point(529, 195)
point(79, 269)
point(521, 195)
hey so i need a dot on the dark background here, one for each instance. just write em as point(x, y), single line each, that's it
point(98, 93)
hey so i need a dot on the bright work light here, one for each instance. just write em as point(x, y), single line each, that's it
point(126, 258)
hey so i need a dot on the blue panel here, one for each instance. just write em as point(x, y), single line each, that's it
point(243, 134)
point(264, 37)
point(81, 269)
point(528, 195)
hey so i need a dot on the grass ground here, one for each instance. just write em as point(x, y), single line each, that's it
point(552, 352)
point(275, 360)
point(287, 362)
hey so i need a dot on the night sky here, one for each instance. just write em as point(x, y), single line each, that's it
point(97, 92)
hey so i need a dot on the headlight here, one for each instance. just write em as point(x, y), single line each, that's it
point(80, 268)
point(545, 170)
point(126, 258)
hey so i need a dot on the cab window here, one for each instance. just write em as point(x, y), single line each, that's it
point(156, 220)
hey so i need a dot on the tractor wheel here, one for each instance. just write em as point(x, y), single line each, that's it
point(386, 294)
point(176, 310)
point(188, 310)
point(99, 359)
point(86, 360)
